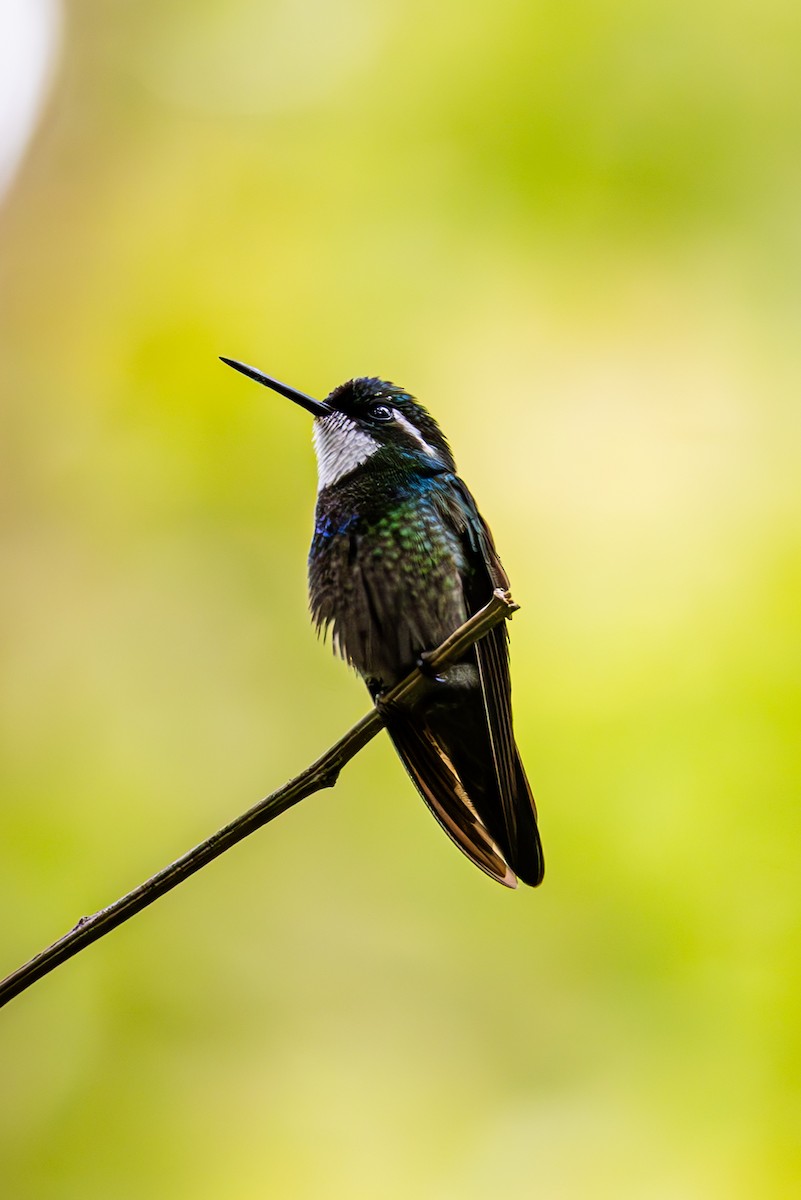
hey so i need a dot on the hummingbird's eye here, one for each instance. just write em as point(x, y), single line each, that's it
point(380, 412)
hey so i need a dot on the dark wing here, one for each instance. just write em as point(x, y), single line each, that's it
point(436, 779)
point(507, 808)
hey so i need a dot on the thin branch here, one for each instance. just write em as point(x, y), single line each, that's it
point(321, 774)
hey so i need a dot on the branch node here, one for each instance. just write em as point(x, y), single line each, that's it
point(504, 597)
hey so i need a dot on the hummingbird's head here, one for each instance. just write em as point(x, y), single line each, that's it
point(362, 418)
point(371, 415)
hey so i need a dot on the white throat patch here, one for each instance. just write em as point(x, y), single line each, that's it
point(340, 447)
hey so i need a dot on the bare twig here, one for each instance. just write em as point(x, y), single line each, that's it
point(321, 774)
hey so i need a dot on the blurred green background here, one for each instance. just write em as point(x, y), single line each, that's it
point(572, 229)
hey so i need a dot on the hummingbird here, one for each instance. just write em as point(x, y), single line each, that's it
point(400, 558)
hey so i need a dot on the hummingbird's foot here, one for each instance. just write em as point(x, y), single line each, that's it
point(425, 668)
point(378, 691)
point(387, 710)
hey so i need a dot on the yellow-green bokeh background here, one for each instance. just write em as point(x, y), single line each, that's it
point(573, 230)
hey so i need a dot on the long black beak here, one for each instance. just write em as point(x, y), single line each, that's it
point(308, 402)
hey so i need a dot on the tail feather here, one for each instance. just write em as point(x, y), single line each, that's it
point(448, 748)
point(435, 777)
